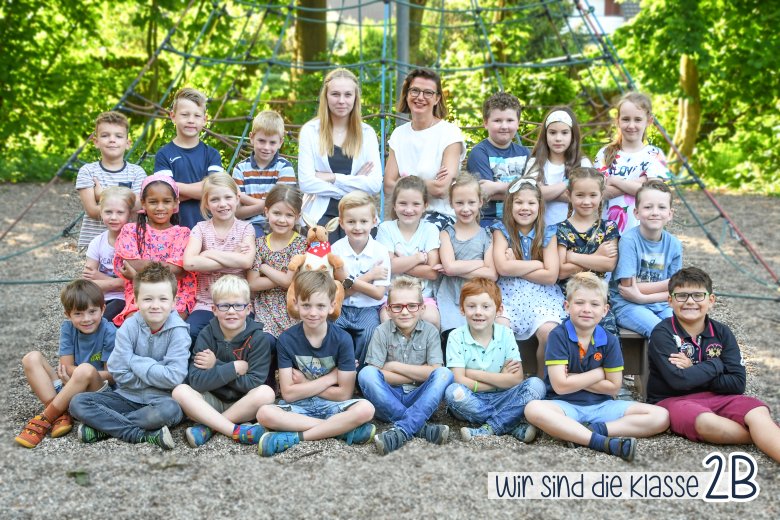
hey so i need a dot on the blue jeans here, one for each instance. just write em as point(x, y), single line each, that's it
point(360, 323)
point(408, 411)
point(639, 318)
point(111, 413)
point(502, 410)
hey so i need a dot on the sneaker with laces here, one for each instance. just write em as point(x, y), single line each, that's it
point(62, 425)
point(198, 435)
point(360, 435)
point(271, 443)
point(248, 433)
point(161, 438)
point(469, 433)
point(389, 440)
point(34, 432)
point(89, 435)
point(434, 433)
point(525, 433)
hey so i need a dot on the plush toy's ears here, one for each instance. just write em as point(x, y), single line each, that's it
point(332, 225)
point(307, 219)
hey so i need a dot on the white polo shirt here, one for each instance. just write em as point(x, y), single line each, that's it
point(359, 264)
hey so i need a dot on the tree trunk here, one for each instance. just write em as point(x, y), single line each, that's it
point(311, 35)
point(688, 110)
point(415, 29)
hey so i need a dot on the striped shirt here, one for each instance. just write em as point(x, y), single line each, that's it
point(257, 182)
point(130, 175)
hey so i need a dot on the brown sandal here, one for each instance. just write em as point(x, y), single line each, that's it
point(34, 432)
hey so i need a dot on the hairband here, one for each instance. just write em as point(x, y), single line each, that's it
point(559, 116)
point(520, 182)
point(160, 177)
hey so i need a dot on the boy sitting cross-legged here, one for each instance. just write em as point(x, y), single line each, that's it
point(230, 362)
point(584, 371)
point(316, 375)
point(86, 342)
point(483, 356)
point(404, 378)
point(697, 372)
point(149, 359)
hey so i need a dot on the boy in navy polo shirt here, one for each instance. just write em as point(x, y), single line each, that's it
point(317, 376)
point(583, 372)
point(698, 375)
point(188, 159)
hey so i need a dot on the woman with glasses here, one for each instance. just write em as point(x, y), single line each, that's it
point(337, 152)
point(427, 146)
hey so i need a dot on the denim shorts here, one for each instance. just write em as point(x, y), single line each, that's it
point(607, 411)
point(317, 407)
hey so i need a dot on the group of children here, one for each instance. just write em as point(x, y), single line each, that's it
point(476, 287)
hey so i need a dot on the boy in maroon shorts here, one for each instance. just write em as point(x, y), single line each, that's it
point(697, 372)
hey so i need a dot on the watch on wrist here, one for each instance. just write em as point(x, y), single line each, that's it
point(348, 283)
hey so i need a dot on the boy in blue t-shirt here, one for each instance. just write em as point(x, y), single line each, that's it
point(484, 359)
point(648, 256)
point(188, 159)
point(583, 373)
point(86, 342)
point(317, 376)
point(498, 160)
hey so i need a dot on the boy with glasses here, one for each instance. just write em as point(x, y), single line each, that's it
point(404, 378)
point(697, 372)
point(229, 364)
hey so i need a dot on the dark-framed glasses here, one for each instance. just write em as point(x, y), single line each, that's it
point(224, 307)
point(682, 297)
point(398, 308)
point(427, 93)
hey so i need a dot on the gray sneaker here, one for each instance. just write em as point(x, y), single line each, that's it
point(389, 440)
point(434, 433)
point(525, 433)
point(161, 438)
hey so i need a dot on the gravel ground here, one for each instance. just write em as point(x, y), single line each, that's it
point(63, 478)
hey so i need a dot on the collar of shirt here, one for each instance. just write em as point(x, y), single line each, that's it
point(678, 329)
point(418, 327)
point(253, 162)
point(525, 242)
point(469, 339)
point(597, 339)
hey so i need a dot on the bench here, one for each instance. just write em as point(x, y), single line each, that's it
point(635, 362)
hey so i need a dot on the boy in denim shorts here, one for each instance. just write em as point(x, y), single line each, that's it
point(697, 372)
point(583, 372)
point(316, 375)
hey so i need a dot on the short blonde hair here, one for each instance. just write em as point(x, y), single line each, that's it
point(356, 199)
point(190, 94)
point(587, 281)
point(268, 122)
point(230, 285)
point(126, 195)
point(215, 180)
point(405, 282)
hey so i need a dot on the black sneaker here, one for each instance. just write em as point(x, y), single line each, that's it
point(389, 440)
point(434, 433)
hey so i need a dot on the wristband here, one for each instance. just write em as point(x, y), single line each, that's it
point(476, 385)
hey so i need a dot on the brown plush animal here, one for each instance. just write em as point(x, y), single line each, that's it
point(318, 258)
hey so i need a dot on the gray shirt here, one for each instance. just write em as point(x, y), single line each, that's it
point(388, 343)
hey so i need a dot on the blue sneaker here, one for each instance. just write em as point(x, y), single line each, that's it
point(271, 443)
point(434, 433)
point(525, 433)
point(469, 433)
point(389, 440)
point(248, 433)
point(360, 435)
point(198, 435)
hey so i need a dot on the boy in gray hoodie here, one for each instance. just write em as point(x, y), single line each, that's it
point(230, 361)
point(149, 359)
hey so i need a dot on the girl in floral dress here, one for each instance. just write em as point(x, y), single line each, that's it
point(269, 275)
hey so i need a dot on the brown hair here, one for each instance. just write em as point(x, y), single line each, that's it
point(410, 182)
point(691, 277)
point(572, 157)
point(465, 178)
point(287, 193)
point(439, 109)
point(307, 283)
point(112, 118)
point(79, 295)
point(537, 250)
point(154, 272)
point(354, 140)
point(641, 101)
point(501, 101)
point(477, 286)
point(586, 172)
point(654, 184)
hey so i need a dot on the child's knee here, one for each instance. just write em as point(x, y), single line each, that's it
point(32, 359)
point(363, 410)
point(455, 393)
point(261, 395)
point(181, 392)
point(84, 373)
point(267, 413)
point(442, 375)
point(535, 387)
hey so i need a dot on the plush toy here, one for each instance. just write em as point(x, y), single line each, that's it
point(318, 258)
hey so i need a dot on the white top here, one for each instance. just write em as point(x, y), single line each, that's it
point(420, 153)
point(359, 264)
point(649, 162)
point(101, 251)
point(556, 211)
point(425, 239)
point(317, 192)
